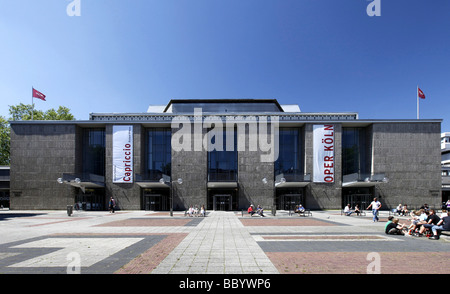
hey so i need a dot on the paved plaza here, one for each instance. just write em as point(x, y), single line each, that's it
point(146, 242)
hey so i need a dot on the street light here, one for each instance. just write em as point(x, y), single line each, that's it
point(274, 209)
point(179, 181)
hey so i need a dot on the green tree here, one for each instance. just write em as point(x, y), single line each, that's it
point(5, 132)
point(23, 112)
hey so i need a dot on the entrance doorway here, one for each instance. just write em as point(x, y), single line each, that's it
point(222, 202)
point(357, 196)
point(288, 198)
point(155, 199)
point(222, 199)
point(91, 199)
point(289, 201)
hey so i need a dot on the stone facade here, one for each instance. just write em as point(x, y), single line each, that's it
point(410, 156)
point(40, 153)
point(407, 152)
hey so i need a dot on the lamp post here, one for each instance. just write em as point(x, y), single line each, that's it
point(179, 181)
point(62, 181)
point(274, 201)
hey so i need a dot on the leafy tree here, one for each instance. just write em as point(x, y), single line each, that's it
point(23, 112)
point(4, 141)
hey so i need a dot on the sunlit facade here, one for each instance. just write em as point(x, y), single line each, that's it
point(225, 155)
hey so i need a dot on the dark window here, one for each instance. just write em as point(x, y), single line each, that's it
point(222, 165)
point(94, 151)
point(354, 151)
point(159, 157)
point(289, 162)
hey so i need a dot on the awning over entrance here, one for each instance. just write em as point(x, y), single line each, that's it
point(358, 184)
point(83, 181)
point(292, 185)
point(222, 185)
point(89, 185)
point(295, 180)
point(360, 180)
point(153, 185)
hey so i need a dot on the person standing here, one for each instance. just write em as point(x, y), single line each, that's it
point(376, 205)
point(112, 205)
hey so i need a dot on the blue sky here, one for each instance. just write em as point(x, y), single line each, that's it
point(324, 55)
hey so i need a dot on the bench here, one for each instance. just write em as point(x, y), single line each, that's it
point(447, 233)
point(442, 232)
point(394, 212)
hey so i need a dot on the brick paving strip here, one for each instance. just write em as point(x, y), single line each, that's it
point(146, 222)
point(357, 263)
point(323, 238)
point(150, 259)
point(285, 222)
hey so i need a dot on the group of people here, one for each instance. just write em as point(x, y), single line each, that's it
point(422, 220)
point(402, 209)
point(375, 205)
point(259, 210)
point(195, 211)
point(348, 210)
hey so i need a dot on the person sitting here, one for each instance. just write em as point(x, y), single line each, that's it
point(399, 209)
point(432, 219)
point(347, 210)
point(394, 228)
point(250, 210)
point(425, 207)
point(442, 225)
point(357, 210)
point(405, 210)
point(416, 223)
point(300, 209)
point(191, 211)
point(260, 211)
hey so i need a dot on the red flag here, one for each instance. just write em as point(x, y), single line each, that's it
point(39, 95)
point(420, 94)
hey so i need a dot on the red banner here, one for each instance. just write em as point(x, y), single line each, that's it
point(39, 95)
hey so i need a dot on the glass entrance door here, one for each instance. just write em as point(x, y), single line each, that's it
point(222, 202)
point(152, 202)
point(289, 201)
point(288, 198)
point(361, 196)
point(91, 199)
point(155, 199)
point(222, 199)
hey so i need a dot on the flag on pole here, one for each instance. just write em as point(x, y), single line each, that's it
point(37, 94)
point(420, 93)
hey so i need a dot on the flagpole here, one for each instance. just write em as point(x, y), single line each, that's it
point(32, 103)
point(417, 94)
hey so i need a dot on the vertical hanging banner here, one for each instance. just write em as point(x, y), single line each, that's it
point(323, 153)
point(122, 154)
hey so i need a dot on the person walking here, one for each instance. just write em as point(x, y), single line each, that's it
point(112, 205)
point(376, 205)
